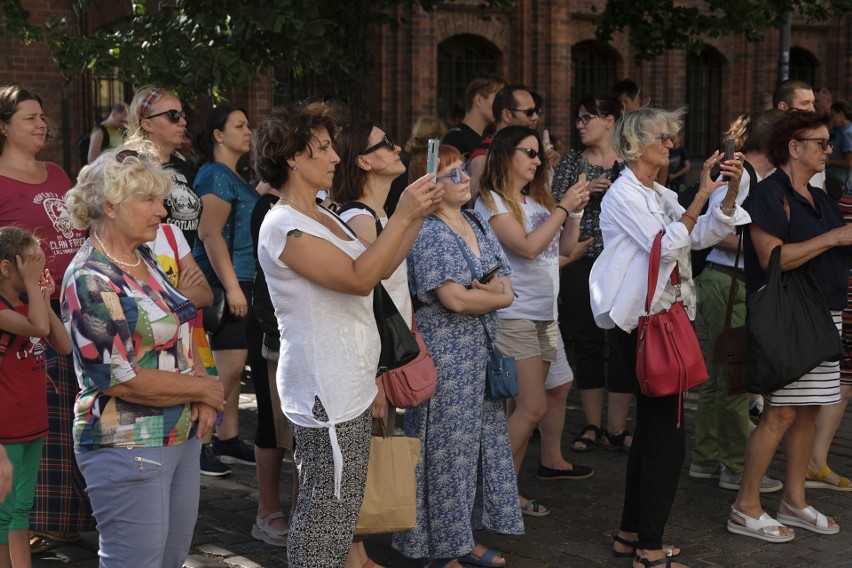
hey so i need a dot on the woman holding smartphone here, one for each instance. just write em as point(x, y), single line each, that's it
point(533, 230)
point(464, 444)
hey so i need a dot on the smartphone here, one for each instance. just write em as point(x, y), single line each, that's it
point(432, 158)
point(729, 150)
point(488, 276)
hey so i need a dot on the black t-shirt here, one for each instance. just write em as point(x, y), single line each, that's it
point(464, 138)
point(765, 205)
point(183, 206)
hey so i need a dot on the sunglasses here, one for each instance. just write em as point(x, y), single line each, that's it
point(527, 111)
point(459, 174)
point(385, 141)
point(824, 143)
point(584, 119)
point(173, 115)
point(124, 154)
point(533, 154)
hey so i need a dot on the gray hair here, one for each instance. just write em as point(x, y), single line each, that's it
point(108, 180)
point(633, 130)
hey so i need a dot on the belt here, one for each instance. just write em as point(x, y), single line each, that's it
point(729, 270)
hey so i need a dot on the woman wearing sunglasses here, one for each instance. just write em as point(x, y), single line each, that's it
point(595, 120)
point(369, 162)
point(157, 114)
point(514, 197)
point(463, 439)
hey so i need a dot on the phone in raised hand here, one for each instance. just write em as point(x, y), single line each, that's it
point(432, 158)
point(730, 148)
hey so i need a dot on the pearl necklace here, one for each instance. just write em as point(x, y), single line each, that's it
point(116, 261)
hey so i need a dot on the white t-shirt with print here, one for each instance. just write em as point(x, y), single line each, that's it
point(536, 281)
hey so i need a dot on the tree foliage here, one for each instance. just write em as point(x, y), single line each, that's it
point(204, 47)
point(656, 26)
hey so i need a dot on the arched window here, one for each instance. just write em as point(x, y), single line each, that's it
point(460, 59)
point(595, 72)
point(803, 65)
point(704, 99)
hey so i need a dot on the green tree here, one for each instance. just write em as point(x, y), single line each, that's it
point(203, 47)
point(655, 26)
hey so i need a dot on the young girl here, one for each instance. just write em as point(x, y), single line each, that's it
point(25, 320)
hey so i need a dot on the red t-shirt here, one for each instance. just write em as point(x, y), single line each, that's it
point(23, 388)
point(40, 208)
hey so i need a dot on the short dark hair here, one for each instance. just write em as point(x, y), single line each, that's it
point(600, 105)
point(625, 87)
point(483, 85)
point(287, 131)
point(844, 107)
point(505, 99)
point(790, 126)
point(216, 120)
point(349, 178)
point(785, 89)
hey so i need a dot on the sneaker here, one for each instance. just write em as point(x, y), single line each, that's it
point(211, 464)
point(705, 471)
point(755, 410)
point(732, 481)
point(234, 451)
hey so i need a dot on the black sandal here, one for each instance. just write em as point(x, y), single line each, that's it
point(625, 542)
point(665, 561)
point(615, 442)
point(588, 444)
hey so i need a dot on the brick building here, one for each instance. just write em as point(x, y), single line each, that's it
point(421, 68)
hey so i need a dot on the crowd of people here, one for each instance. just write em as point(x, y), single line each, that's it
point(132, 299)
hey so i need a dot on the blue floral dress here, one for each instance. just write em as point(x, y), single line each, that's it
point(465, 477)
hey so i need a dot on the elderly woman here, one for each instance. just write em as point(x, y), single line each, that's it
point(157, 114)
point(225, 254)
point(33, 192)
point(320, 279)
point(143, 405)
point(633, 211)
point(788, 212)
point(464, 444)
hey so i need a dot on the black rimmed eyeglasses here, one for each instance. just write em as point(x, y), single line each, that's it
point(459, 174)
point(825, 143)
point(584, 118)
point(385, 141)
point(173, 115)
point(528, 111)
point(532, 154)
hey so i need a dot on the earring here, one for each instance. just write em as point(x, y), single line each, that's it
point(293, 167)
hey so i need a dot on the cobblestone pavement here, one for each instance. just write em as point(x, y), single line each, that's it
point(577, 533)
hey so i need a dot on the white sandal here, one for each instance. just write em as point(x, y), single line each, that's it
point(262, 531)
point(807, 518)
point(765, 528)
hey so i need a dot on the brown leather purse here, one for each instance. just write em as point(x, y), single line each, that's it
point(731, 349)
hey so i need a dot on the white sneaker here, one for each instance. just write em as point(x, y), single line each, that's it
point(733, 481)
point(705, 471)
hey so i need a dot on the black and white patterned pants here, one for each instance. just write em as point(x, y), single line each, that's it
point(322, 526)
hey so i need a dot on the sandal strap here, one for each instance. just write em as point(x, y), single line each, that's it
point(592, 428)
point(624, 541)
point(809, 515)
point(664, 561)
point(765, 523)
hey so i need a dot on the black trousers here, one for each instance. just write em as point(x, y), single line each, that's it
point(655, 460)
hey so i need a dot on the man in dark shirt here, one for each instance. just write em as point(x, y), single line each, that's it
point(478, 97)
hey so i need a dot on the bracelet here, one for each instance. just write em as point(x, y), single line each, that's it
point(690, 217)
point(727, 211)
point(574, 215)
point(566, 211)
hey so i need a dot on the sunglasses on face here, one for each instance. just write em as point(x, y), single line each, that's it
point(527, 111)
point(459, 174)
point(385, 141)
point(824, 143)
point(532, 154)
point(173, 115)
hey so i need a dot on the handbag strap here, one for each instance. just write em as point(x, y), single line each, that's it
point(654, 271)
point(732, 293)
point(471, 266)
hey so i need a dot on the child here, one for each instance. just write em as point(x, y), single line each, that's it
point(25, 320)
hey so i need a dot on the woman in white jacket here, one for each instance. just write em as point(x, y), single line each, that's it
point(633, 211)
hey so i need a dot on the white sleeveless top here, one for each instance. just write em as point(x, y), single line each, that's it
point(329, 343)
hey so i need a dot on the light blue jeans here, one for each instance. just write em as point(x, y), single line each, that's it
point(145, 501)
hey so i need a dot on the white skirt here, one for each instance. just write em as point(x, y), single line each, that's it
point(819, 387)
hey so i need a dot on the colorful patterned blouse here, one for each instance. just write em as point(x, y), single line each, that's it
point(118, 325)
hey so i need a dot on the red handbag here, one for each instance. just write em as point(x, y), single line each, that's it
point(413, 383)
point(668, 358)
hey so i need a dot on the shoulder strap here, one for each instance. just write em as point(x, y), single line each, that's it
point(654, 271)
point(732, 292)
point(474, 219)
point(105, 141)
point(339, 220)
point(752, 175)
point(363, 206)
